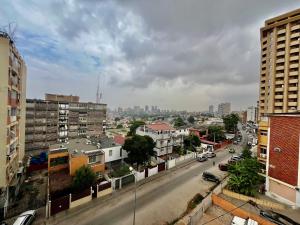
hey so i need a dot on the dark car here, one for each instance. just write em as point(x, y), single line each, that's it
point(210, 177)
point(277, 218)
point(202, 158)
point(223, 166)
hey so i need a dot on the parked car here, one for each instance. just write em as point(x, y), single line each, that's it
point(231, 150)
point(210, 177)
point(25, 218)
point(202, 158)
point(240, 221)
point(235, 142)
point(210, 155)
point(277, 218)
point(223, 166)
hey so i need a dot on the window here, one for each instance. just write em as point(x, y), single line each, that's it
point(110, 152)
point(263, 150)
point(92, 159)
point(263, 132)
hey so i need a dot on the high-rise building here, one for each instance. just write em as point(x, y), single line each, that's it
point(251, 114)
point(279, 90)
point(211, 109)
point(224, 109)
point(12, 119)
point(279, 75)
point(49, 122)
point(146, 108)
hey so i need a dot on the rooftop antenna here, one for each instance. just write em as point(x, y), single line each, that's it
point(98, 95)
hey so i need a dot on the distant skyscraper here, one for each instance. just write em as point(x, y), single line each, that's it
point(146, 108)
point(224, 109)
point(211, 109)
point(251, 114)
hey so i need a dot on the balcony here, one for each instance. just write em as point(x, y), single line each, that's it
point(279, 89)
point(293, 96)
point(263, 156)
point(293, 43)
point(293, 88)
point(278, 103)
point(281, 38)
point(293, 73)
point(295, 65)
point(280, 61)
point(278, 111)
point(280, 53)
point(279, 82)
point(279, 67)
point(296, 57)
point(278, 75)
point(292, 103)
point(294, 50)
point(280, 46)
point(293, 81)
point(281, 31)
point(278, 96)
point(295, 27)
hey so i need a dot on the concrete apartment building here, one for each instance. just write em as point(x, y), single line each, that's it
point(211, 109)
point(163, 135)
point(252, 114)
point(59, 118)
point(283, 158)
point(12, 120)
point(279, 90)
point(224, 109)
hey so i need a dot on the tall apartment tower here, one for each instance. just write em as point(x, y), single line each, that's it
point(279, 90)
point(211, 109)
point(279, 75)
point(224, 109)
point(12, 118)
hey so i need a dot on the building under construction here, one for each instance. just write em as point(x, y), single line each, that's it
point(59, 118)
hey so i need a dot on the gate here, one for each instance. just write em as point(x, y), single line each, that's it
point(94, 193)
point(59, 204)
point(161, 167)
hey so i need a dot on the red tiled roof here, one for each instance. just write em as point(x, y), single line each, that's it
point(160, 126)
point(119, 139)
point(208, 142)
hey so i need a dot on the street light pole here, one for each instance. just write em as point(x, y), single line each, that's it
point(134, 208)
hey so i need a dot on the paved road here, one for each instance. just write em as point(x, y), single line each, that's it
point(158, 201)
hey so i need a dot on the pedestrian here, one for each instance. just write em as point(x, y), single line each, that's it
point(214, 163)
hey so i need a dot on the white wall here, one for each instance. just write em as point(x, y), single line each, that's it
point(115, 153)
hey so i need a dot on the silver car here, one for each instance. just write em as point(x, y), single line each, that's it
point(25, 218)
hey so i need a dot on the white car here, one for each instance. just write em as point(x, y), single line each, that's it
point(25, 218)
point(240, 221)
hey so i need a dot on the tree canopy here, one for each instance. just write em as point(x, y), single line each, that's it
point(246, 153)
point(134, 126)
point(191, 119)
point(139, 149)
point(84, 178)
point(216, 133)
point(244, 177)
point(119, 126)
point(231, 122)
point(190, 142)
point(178, 122)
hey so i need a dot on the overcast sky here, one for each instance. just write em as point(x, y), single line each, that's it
point(172, 53)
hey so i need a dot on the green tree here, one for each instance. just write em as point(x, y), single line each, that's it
point(84, 178)
point(139, 149)
point(117, 119)
point(178, 122)
point(244, 177)
point(191, 142)
point(119, 126)
point(231, 122)
point(216, 133)
point(246, 153)
point(191, 119)
point(134, 126)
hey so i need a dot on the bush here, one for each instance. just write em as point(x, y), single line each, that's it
point(84, 178)
point(122, 171)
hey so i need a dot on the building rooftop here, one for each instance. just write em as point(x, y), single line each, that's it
point(160, 126)
point(77, 146)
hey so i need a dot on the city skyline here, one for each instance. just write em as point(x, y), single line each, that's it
point(173, 60)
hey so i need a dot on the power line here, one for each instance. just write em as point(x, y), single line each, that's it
point(225, 213)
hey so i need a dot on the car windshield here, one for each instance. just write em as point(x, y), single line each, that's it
point(20, 220)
